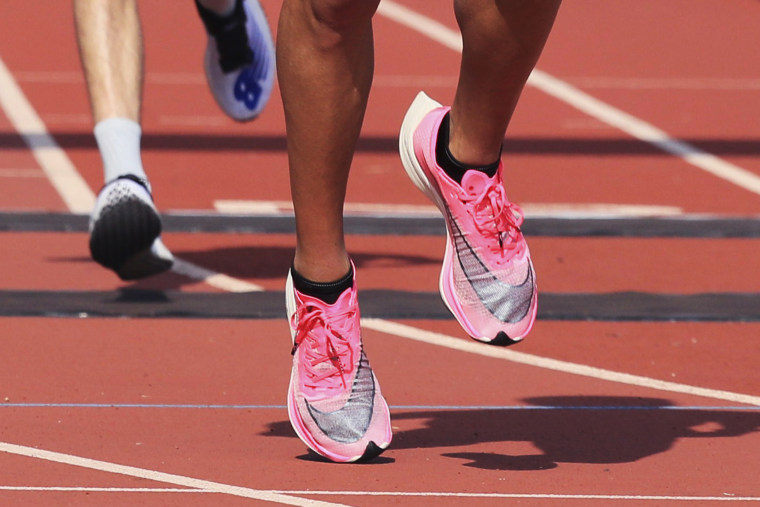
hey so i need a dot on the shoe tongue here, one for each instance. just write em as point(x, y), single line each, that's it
point(474, 182)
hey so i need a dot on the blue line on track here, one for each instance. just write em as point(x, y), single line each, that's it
point(394, 407)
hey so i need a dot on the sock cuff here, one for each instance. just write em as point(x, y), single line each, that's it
point(103, 127)
point(215, 23)
point(118, 141)
point(451, 166)
point(329, 292)
point(230, 34)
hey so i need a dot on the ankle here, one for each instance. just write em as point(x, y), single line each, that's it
point(322, 270)
point(450, 164)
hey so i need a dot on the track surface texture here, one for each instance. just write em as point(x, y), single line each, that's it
point(635, 152)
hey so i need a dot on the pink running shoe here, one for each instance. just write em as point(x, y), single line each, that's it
point(334, 399)
point(487, 280)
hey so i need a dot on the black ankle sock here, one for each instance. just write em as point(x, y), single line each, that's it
point(329, 292)
point(230, 34)
point(451, 166)
point(215, 23)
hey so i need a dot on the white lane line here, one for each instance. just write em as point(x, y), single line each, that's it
point(153, 475)
point(72, 188)
point(430, 494)
point(255, 207)
point(598, 210)
point(421, 23)
point(473, 347)
point(584, 102)
point(532, 210)
point(444, 494)
point(426, 494)
point(666, 83)
point(212, 278)
point(244, 206)
point(645, 132)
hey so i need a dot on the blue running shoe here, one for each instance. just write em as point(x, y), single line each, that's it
point(239, 60)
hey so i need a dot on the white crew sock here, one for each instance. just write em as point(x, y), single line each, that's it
point(119, 144)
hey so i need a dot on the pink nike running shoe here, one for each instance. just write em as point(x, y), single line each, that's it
point(334, 400)
point(487, 279)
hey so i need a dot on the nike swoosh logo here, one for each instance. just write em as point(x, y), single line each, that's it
point(508, 303)
point(350, 423)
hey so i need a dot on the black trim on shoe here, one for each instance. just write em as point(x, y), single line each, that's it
point(502, 340)
point(372, 451)
point(230, 34)
point(450, 165)
point(329, 292)
point(131, 177)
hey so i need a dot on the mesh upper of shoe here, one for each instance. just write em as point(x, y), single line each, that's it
point(117, 192)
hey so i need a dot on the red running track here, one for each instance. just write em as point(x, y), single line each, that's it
point(190, 411)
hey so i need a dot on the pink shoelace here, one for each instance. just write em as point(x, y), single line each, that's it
point(496, 219)
point(329, 356)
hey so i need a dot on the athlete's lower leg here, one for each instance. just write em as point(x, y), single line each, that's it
point(111, 50)
point(325, 66)
point(502, 40)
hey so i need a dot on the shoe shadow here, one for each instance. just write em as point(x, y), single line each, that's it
point(254, 263)
point(264, 263)
point(592, 430)
point(313, 457)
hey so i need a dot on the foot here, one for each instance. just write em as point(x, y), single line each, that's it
point(125, 230)
point(334, 399)
point(487, 279)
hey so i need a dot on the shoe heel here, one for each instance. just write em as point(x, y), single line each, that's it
point(122, 232)
point(420, 107)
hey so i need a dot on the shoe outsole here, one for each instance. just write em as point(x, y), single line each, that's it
point(122, 238)
point(502, 340)
point(371, 452)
